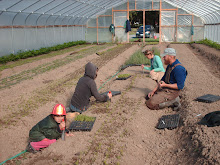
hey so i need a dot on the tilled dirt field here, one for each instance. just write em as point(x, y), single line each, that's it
point(124, 131)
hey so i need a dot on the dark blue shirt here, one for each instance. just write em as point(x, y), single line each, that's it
point(178, 75)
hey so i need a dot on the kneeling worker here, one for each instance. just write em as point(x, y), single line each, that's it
point(48, 130)
point(166, 93)
point(85, 88)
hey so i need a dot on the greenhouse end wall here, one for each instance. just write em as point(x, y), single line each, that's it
point(176, 24)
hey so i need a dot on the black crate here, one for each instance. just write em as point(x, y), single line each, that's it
point(114, 93)
point(81, 125)
point(208, 98)
point(168, 121)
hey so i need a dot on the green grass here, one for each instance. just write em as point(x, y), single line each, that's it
point(32, 53)
point(36, 58)
point(209, 43)
point(137, 58)
point(133, 31)
point(156, 51)
point(123, 75)
point(148, 40)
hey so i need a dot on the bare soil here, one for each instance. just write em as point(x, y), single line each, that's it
point(125, 129)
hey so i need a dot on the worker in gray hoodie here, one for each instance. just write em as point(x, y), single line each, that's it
point(85, 88)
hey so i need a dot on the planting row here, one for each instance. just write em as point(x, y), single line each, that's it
point(32, 53)
point(28, 74)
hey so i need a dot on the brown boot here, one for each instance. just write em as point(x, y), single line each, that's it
point(174, 103)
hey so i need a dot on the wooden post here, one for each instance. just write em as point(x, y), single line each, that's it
point(128, 19)
point(97, 29)
point(144, 26)
point(160, 23)
point(191, 27)
point(114, 25)
point(135, 5)
point(176, 24)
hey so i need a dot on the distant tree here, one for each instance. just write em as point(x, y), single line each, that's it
point(136, 16)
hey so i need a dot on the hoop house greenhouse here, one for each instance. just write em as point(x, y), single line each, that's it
point(109, 82)
point(32, 24)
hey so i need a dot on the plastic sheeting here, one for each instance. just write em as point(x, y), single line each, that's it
point(71, 12)
point(32, 24)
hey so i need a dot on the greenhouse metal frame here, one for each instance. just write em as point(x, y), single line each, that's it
point(33, 24)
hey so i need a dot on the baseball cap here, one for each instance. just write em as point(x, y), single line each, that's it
point(169, 51)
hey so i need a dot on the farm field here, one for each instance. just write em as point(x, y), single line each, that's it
point(124, 131)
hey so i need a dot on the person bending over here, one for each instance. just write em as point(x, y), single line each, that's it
point(167, 91)
point(85, 88)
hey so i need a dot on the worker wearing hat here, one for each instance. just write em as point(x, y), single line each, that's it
point(48, 130)
point(167, 91)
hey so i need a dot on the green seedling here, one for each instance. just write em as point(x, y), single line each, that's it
point(84, 118)
point(123, 75)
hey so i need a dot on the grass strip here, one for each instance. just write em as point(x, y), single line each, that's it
point(43, 56)
point(43, 50)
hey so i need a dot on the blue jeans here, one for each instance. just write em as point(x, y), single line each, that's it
point(74, 109)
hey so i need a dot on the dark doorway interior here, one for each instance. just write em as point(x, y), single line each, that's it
point(151, 18)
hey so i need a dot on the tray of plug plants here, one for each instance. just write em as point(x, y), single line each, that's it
point(82, 123)
point(123, 76)
point(168, 121)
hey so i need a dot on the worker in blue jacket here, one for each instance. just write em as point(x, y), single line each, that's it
point(167, 91)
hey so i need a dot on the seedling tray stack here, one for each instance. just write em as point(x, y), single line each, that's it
point(168, 121)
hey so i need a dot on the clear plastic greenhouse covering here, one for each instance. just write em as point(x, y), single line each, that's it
point(32, 24)
point(52, 12)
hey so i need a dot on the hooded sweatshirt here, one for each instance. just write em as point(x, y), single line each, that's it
point(86, 87)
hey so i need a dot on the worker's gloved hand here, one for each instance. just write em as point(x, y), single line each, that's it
point(62, 125)
point(109, 94)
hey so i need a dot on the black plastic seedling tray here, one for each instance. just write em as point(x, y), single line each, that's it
point(208, 98)
point(168, 121)
point(81, 125)
point(114, 93)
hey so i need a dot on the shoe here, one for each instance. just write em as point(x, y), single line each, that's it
point(173, 103)
point(31, 149)
point(177, 106)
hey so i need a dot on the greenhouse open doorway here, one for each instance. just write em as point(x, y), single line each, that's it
point(151, 21)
